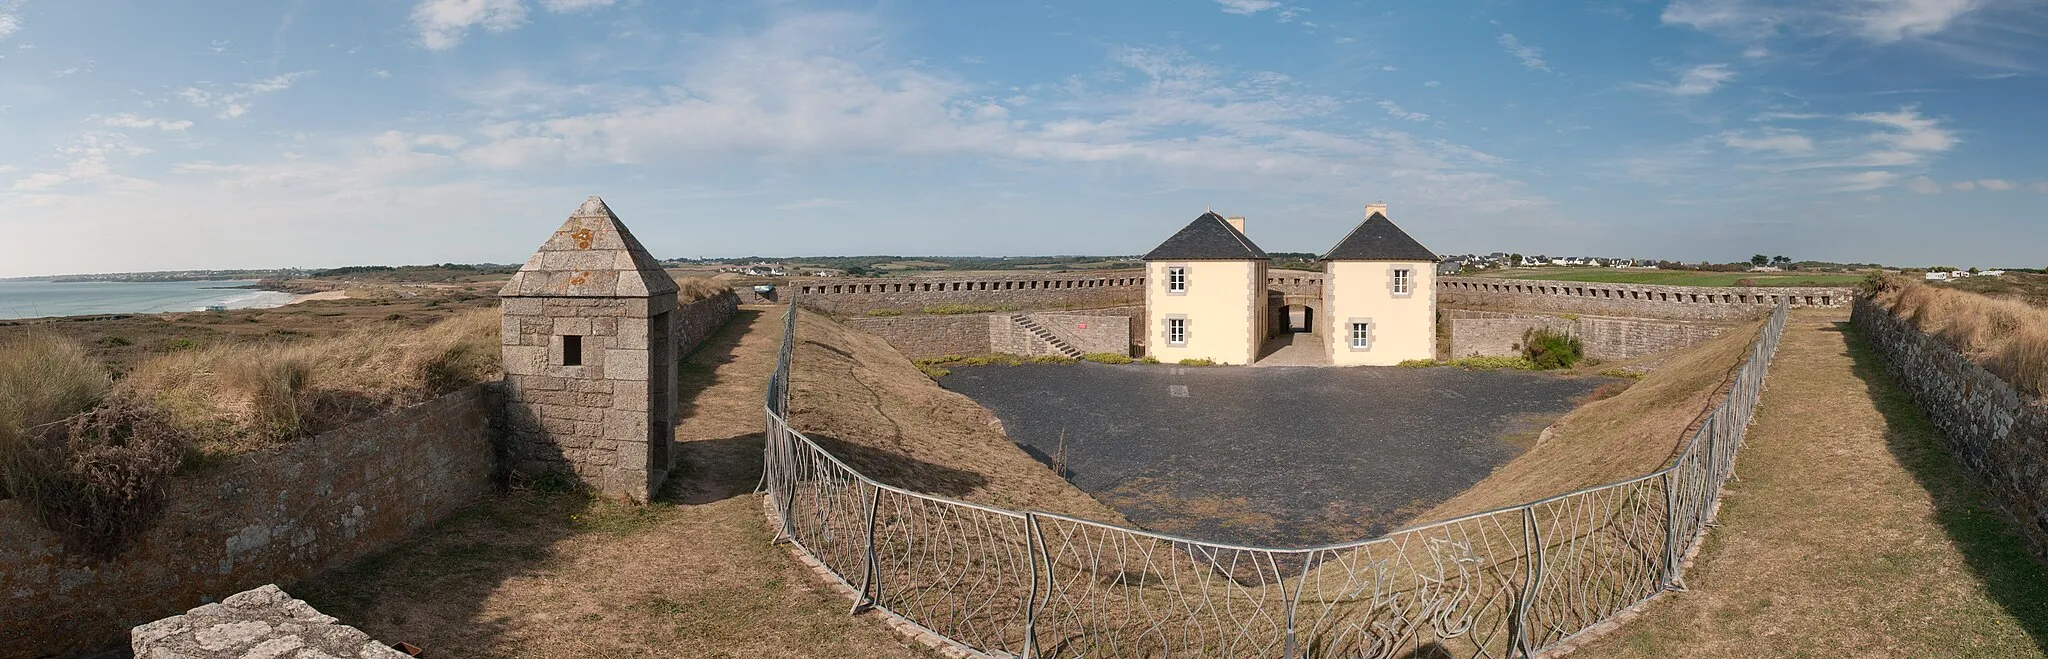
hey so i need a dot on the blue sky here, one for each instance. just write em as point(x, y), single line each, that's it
point(170, 135)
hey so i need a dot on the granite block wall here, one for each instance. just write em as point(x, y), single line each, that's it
point(1636, 300)
point(854, 296)
point(1492, 333)
point(269, 517)
point(1089, 332)
point(917, 337)
point(1995, 430)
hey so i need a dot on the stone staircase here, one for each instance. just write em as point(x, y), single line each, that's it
point(1045, 335)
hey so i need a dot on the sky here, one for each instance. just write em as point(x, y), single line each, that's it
point(151, 135)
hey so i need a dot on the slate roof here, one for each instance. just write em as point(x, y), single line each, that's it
point(1208, 238)
point(591, 255)
point(1377, 239)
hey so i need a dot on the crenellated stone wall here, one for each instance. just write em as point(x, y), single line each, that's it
point(1497, 333)
point(271, 517)
point(1991, 427)
point(855, 295)
point(1635, 300)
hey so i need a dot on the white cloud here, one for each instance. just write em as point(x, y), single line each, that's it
point(808, 204)
point(10, 19)
point(564, 6)
point(1912, 131)
point(87, 158)
point(1433, 83)
point(1995, 76)
point(1246, 7)
point(2041, 187)
point(380, 73)
point(131, 120)
point(236, 102)
point(1995, 184)
point(1923, 185)
point(1789, 143)
point(1531, 56)
point(1702, 79)
point(1396, 112)
point(1874, 21)
point(1886, 21)
point(1963, 185)
point(1863, 181)
point(443, 23)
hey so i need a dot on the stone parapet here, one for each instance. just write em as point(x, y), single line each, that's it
point(264, 622)
point(1635, 300)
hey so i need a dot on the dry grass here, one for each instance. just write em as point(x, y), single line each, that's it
point(1849, 532)
point(697, 288)
point(44, 378)
point(2008, 337)
point(235, 398)
point(870, 406)
point(1629, 434)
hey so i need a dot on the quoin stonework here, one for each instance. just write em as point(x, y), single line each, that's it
point(589, 360)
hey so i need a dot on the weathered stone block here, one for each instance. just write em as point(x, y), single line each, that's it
point(625, 364)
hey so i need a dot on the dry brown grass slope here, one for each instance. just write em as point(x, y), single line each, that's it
point(530, 574)
point(2007, 336)
point(1628, 435)
point(1847, 533)
point(868, 405)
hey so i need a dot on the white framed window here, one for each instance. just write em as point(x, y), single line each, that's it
point(1177, 331)
point(1359, 334)
point(1403, 281)
point(1177, 279)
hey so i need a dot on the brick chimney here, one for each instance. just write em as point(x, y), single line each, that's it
point(1236, 222)
point(1376, 207)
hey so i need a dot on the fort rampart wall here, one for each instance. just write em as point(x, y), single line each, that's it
point(1997, 431)
point(1499, 333)
point(1067, 290)
point(1095, 330)
point(1633, 300)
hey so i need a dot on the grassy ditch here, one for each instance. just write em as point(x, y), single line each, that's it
point(2006, 336)
point(90, 454)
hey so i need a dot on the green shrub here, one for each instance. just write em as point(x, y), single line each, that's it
point(880, 313)
point(1052, 359)
point(933, 372)
point(1550, 350)
point(1492, 363)
point(1148, 359)
point(181, 343)
point(1107, 358)
point(1418, 363)
point(1205, 361)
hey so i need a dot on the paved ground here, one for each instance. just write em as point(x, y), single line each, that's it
point(1849, 532)
point(1294, 349)
point(1283, 455)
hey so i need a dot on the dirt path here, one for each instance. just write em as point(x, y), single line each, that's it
point(1849, 533)
point(558, 575)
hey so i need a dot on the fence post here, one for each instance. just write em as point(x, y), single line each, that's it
point(1670, 529)
point(871, 567)
point(1034, 543)
point(1532, 580)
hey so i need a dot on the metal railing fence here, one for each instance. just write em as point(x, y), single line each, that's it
point(1511, 582)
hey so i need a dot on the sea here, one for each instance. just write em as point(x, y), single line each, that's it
point(38, 299)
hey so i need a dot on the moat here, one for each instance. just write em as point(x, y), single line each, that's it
point(1271, 456)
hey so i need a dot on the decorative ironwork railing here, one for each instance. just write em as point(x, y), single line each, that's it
point(1511, 582)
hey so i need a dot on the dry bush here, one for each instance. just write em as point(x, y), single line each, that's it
point(697, 288)
point(232, 399)
point(2009, 337)
point(97, 480)
point(43, 379)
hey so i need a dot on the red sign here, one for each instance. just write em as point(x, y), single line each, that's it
point(1084, 325)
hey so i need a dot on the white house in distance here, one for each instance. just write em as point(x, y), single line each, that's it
point(1206, 295)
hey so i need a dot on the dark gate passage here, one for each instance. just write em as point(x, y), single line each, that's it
point(1275, 455)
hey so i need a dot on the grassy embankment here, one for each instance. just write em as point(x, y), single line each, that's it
point(1677, 277)
point(2009, 337)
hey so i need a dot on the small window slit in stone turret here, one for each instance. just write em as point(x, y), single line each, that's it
point(572, 350)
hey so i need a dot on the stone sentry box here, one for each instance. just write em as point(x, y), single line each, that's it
point(589, 369)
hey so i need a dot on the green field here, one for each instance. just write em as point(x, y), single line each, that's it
point(1680, 277)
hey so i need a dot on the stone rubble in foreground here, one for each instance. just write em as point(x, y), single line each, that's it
point(263, 623)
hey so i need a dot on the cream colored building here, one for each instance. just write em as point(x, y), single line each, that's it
point(1207, 297)
point(1205, 294)
point(1379, 295)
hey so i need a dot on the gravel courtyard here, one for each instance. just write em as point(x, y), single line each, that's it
point(1271, 456)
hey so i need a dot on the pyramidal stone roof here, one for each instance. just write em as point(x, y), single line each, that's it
point(592, 255)
point(1377, 239)
point(1208, 238)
